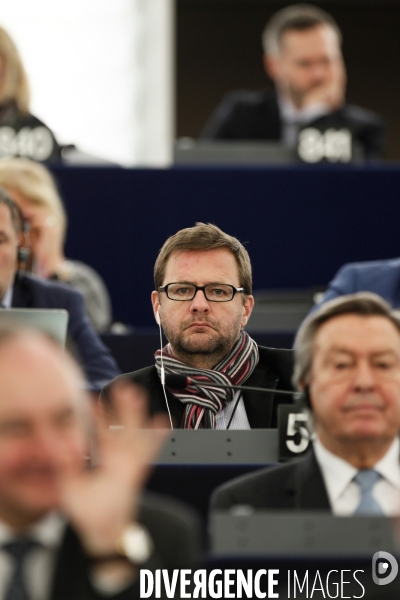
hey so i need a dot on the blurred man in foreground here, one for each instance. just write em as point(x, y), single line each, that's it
point(67, 531)
point(303, 57)
point(347, 362)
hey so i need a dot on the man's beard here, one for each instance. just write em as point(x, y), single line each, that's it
point(213, 345)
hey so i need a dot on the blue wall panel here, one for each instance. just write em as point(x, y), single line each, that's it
point(299, 224)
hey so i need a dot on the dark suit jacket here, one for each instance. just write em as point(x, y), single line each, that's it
point(393, 593)
point(274, 369)
point(94, 357)
point(297, 485)
point(175, 533)
point(255, 116)
point(380, 276)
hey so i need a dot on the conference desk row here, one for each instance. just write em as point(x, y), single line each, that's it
point(304, 550)
point(193, 463)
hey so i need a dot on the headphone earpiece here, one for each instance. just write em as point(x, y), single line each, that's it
point(24, 250)
point(307, 397)
point(157, 318)
point(23, 254)
point(22, 228)
point(305, 400)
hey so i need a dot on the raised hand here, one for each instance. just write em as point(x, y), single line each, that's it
point(103, 500)
point(331, 92)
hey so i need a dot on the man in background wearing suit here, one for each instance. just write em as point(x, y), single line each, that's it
point(303, 57)
point(20, 290)
point(68, 531)
point(381, 277)
point(347, 361)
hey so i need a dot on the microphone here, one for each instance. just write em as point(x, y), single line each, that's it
point(180, 382)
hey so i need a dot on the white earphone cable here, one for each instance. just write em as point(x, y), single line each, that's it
point(163, 373)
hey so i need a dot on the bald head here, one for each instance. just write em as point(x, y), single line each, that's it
point(30, 361)
point(42, 427)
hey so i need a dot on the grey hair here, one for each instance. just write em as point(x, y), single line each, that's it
point(297, 17)
point(365, 304)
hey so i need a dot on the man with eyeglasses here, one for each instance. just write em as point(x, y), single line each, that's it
point(202, 300)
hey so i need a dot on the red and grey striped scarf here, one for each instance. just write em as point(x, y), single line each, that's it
point(202, 405)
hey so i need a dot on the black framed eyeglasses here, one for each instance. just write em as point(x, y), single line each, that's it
point(214, 292)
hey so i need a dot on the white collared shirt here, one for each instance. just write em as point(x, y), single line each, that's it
point(293, 118)
point(39, 565)
point(7, 300)
point(344, 494)
point(239, 421)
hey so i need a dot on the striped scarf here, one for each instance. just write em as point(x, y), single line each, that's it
point(201, 405)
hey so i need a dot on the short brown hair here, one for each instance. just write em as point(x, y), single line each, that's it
point(364, 304)
point(15, 86)
point(204, 236)
point(297, 17)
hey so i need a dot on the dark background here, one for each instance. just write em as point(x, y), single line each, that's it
point(299, 224)
point(219, 49)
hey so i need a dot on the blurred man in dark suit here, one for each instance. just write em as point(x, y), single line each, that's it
point(303, 57)
point(347, 361)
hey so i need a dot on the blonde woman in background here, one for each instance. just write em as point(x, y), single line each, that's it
point(33, 188)
point(21, 134)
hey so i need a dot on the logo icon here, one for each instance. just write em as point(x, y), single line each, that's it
point(384, 568)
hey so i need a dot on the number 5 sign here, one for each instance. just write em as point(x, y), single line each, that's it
point(294, 436)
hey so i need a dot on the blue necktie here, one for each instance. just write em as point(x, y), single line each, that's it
point(366, 479)
point(19, 550)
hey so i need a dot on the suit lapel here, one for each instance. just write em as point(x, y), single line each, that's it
point(176, 408)
point(22, 295)
point(157, 399)
point(258, 405)
point(307, 485)
point(70, 578)
point(272, 118)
